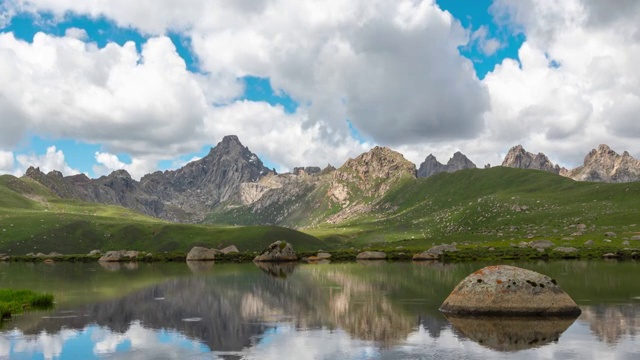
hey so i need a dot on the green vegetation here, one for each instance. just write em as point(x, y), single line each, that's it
point(497, 206)
point(16, 301)
point(33, 220)
point(479, 210)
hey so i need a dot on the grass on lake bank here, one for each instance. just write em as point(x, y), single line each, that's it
point(17, 301)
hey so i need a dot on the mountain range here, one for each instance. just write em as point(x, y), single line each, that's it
point(232, 185)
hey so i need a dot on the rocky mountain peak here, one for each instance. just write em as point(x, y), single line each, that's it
point(459, 161)
point(518, 157)
point(379, 162)
point(432, 166)
point(121, 173)
point(604, 164)
point(363, 174)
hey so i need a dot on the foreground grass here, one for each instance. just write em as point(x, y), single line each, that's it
point(16, 301)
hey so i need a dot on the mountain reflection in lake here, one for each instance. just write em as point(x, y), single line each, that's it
point(332, 311)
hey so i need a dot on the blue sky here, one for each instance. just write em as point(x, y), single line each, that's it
point(269, 83)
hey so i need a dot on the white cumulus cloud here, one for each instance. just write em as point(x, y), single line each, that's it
point(6, 162)
point(53, 159)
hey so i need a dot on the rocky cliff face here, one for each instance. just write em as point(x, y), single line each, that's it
point(184, 195)
point(371, 173)
point(517, 157)
point(604, 164)
point(432, 166)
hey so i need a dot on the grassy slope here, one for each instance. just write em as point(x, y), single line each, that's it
point(476, 205)
point(34, 220)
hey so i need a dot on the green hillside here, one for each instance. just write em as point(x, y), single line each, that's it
point(497, 204)
point(32, 219)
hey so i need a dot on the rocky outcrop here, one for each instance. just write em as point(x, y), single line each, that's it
point(278, 251)
point(309, 170)
point(432, 166)
point(605, 165)
point(509, 290)
point(369, 175)
point(518, 157)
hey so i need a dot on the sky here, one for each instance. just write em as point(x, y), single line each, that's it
point(95, 86)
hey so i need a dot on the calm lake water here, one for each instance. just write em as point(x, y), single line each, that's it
point(367, 310)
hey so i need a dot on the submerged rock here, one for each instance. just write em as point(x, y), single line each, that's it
point(199, 253)
point(278, 251)
point(509, 290)
point(371, 255)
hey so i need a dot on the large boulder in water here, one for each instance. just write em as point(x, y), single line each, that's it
point(278, 251)
point(199, 253)
point(509, 290)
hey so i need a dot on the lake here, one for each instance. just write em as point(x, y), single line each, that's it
point(364, 310)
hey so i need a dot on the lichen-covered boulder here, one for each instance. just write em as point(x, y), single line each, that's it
point(278, 251)
point(199, 253)
point(509, 290)
point(323, 255)
point(230, 249)
point(371, 255)
point(95, 252)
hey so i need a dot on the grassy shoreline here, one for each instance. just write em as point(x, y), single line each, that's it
point(17, 301)
point(471, 252)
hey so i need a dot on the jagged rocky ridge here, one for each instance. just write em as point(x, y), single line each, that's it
point(184, 195)
point(432, 166)
point(602, 165)
point(606, 165)
point(518, 157)
point(231, 185)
